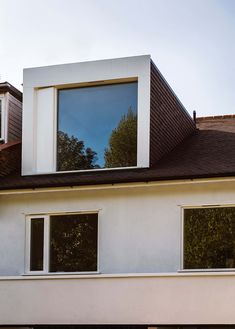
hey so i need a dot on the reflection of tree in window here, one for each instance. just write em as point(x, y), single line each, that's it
point(72, 154)
point(209, 238)
point(122, 150)
point(73, 243)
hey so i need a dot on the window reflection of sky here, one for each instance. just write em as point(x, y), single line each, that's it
point(91, 113)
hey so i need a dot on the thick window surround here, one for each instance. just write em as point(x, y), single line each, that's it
point(55, 97)
point(209, 206)
point(40, 93)
point(46, 246)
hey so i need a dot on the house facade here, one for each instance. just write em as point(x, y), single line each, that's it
point(122, 212)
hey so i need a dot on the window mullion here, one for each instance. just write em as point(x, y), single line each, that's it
point(27, 246)
point(46, 244)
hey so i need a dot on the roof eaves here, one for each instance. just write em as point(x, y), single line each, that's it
point(7, 87)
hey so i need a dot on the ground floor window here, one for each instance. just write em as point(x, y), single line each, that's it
point(209, 238)
point(62, 243)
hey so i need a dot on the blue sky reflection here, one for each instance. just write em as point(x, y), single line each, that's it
point(91, 113)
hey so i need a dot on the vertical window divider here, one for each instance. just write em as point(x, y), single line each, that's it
point(46, 249)
point(55, 128)
point(182, 239)
point(27, 244)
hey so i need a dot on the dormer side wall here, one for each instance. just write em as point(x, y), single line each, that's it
point(170, 123)
point(14, 119)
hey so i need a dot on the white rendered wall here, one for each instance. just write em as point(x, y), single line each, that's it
point(37, 103)
point(139, 228)
point(175, 299)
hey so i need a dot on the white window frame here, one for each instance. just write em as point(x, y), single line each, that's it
point(46, 243)
point(210, 206)
point(56, 111)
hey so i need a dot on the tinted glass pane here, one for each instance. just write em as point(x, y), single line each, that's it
point(97, 127)
point(209, 238)
point(73, 243)
point(36, 244)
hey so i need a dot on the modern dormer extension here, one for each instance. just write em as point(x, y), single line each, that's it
point(109, 114)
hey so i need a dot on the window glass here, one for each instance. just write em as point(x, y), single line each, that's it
point(73, 243)
point(36, 244)
point(97, 127)
point(209, 238)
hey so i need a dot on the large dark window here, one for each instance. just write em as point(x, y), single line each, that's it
point(64, 243)
point(73, 243)
point(209, 238)
point(97, 127)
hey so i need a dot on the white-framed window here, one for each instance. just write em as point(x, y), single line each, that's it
point(62, 243)
point(208, 238)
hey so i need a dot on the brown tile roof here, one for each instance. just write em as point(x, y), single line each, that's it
point(10, 157)
point(218, 122)
point(206, 153)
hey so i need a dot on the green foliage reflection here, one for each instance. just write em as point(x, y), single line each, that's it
point(122, 150)
point(209, 238)
point(72, 154)
point(73, 243)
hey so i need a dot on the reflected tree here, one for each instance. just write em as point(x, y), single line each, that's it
point(122, 149)
point(72, 154)
point(209, 238)
point(73, 243)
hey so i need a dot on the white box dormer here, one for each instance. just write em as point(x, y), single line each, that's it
point(74, 115)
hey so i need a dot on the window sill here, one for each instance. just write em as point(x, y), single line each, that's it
point(61, 274)
point(89, 170)
point(98, 276)
point(212, 270)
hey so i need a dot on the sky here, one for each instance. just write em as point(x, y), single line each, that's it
point(192, 42)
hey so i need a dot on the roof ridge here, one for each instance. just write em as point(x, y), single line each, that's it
point(225, 116)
